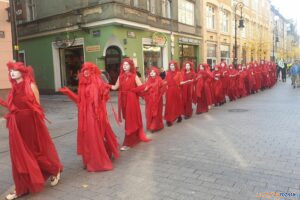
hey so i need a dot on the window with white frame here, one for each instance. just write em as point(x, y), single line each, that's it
point(224, 21)
point(255, 4)
point(246, 2)
point(186, 12)
point(135, 3)
point(30, 10)
point(166, 8)
point(152, 7)
point(210, 17)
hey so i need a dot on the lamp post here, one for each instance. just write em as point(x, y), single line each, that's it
point(171, 21)
point(237, 6)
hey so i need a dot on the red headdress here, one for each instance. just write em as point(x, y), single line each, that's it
point(131, 63)
point(183, 68)
point(175, 64)
point(27, 72)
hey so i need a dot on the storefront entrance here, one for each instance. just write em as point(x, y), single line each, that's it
point(187, 53)
point(152, 57)
point(112, 63)
point(71, 59)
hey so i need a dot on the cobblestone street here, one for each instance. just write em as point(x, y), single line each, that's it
point(232, 152)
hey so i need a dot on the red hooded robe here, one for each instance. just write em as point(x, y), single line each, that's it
point(33, 155)
point(173, 107)
point(96, 141)
point(187, 89)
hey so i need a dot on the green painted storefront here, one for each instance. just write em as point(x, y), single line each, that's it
point(42, 53)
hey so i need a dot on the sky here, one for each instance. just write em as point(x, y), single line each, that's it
point(289, 9)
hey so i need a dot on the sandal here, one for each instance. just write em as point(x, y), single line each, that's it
point(55, 179)
point(12, 196)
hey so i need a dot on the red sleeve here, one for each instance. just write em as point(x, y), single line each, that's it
point(69, 93)
point(3, 103)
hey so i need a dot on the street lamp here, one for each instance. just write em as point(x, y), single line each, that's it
point(237, 6)
point(275, 37)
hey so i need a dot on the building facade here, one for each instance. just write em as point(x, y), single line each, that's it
point(5, 50)
point(253, 41)
point(57, 37)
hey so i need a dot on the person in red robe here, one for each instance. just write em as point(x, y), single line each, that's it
point(128, 104)
point(203, 98)
point(232, 86)
point(153, 91)
point(96, 141)
point(250, 80)
point(241, 87)
point(224, 78)
point(173, 107)
point(217, 86)
point(34, 158)
point(187, 89)
point(257, 76)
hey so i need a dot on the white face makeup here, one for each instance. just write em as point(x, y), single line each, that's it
point(172, 67)
point(152, 73)
point(15, 74)
point(86, 73)
point(187, 66)
point(126, 66)
point(223, 65)
point(201, 67)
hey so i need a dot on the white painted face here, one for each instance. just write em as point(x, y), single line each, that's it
point(86, 73)
point(188, 66)
point(15, 74)
point(126, 67)
point(201, 67)
point(231, 67)
point(172, 67)
point(223, 64)
point(152, 73)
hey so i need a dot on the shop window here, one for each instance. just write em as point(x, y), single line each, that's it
point(187, 53)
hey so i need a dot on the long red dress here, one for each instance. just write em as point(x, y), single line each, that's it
point(173, 107)
point(187, 90)
point(217, 86)
point(242, 92)
point(154, 100)
point(203, 90)
point(224, 78)
point(96, 141)
point(258, 77)
point(129, 106)
point(33, 155)
point(232, 86)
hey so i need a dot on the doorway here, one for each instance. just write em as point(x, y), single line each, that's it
point(112, 63)
point(71, 59)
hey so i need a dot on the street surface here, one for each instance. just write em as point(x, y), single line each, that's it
point(233, 152)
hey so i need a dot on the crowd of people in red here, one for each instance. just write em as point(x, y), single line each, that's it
point(33, 155)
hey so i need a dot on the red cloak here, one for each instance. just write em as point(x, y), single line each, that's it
point(96, 141)
point(217, 86)
point(129, 106)
point(173, 107)
point(153, 91)
point(202, 89)
point(187, 90)
point(33, 155)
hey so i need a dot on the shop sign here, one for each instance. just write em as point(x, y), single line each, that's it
point(131, 34)
point(159, 39)
point(93, 48)
point(96, 33)
point(189, 41)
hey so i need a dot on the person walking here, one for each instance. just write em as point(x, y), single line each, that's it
point(295, 71)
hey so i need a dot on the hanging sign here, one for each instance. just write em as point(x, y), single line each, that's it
point(159, 39)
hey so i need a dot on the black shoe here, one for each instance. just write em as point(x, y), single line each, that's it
point(169, 124)
point(179, 119)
